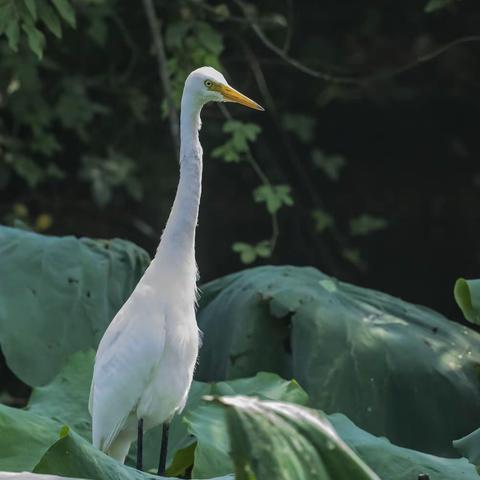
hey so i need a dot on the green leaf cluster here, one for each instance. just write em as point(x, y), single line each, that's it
point(331, 165)
point(249, 253)
point(274, 196)
point(17, 16)
point(241, 135)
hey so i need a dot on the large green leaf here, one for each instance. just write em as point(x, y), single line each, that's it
point(396, 463)
point(467, 296)
point(469, 446)
point(388, 461)
point(65, 400)
point(287, 442)
point(24, 438)
point(73, 456)
point(58, 295)
point(208, 426)
point(363, 353)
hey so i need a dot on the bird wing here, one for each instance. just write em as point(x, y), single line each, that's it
point(126, 358)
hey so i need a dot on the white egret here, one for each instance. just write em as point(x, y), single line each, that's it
point(146, 358)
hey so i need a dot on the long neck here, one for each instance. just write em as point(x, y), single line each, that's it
point(178, 240)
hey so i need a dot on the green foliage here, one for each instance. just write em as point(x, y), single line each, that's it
point(64, 401)
point(366, 224)
point(396, 463)
point(53, 435)
point(241, 135)
point(24, 15)
point(323, 220)
point(106, 174)
point(346, 346)
point(331, 165)
point(89, 279)
point(434, 5)
point(191, 43)
point(303, 126)
point(249, 253)
point(24, 439)
point(262, 432)
point(467, 296)
point(274, 196)
point(74, 456)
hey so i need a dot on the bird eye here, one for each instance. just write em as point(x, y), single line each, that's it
point(208, 83)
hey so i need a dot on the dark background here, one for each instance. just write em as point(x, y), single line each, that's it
point(406, 122)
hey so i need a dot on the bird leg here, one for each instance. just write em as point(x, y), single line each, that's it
point(163, 450)
point(140, 445)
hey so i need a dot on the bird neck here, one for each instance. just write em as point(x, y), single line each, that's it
point(178, 240)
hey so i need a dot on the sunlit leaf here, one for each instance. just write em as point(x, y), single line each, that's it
point(467, 296)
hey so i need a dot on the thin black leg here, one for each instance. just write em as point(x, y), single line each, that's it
point(163, 450)
point(140, 445)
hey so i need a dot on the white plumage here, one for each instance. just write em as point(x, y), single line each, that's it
point(146, 358)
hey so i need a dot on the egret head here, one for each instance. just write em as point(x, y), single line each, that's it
point(208, 85)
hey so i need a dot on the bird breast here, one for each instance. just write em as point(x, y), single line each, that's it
point(167, 391)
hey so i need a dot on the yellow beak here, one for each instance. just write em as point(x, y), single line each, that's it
point(232, 95)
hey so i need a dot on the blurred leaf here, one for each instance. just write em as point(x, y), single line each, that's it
point(247, 252)
point(32, 8)
point(301, 125)
point(74, 107)
point(467, 296)
point(264, 249)
point(66, 11)
point(274, 196)
point(36, 39)
point(209, 38)
point(43, 222)
point(354, 256)
point(329, 164)
point(366, 224)
point(107, 174)
point(27, 169)
point(434, 5)
point(323, 220)
point(138, 102)
point(50, 18)
point(222, 11)
point(13, 34)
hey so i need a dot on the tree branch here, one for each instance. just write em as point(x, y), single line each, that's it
point(350, 80)
point(156, 32)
